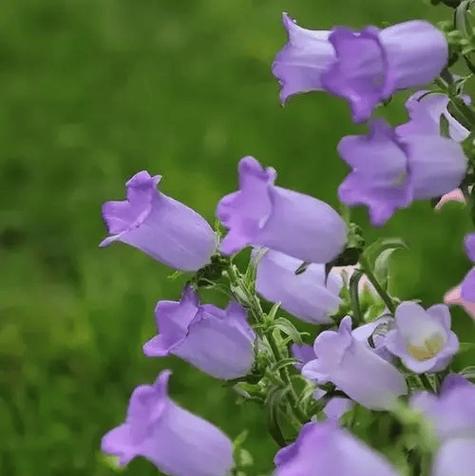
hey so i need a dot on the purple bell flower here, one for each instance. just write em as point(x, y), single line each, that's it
point(324, 449)
point(468, 284)
point(300, 64)
point(355, 368)
point(158, 225)
point(391, 170)
point(337, 407)
point(309, 296)
point(364, 67)
point(303, 353)
point(177, 442)
point(218, 342)
point(452, 415)
point(422, 339)
point(455, 458)
point(262, 214)
point(425, 111)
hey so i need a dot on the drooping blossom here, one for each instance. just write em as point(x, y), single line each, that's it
point(468, 284)
point(177, 442)
point(390, 170)
point(364, 67)
point(455, 195)
point(303, 353)
point(325, 449)
point(337, 407)
point(454, 298)
point(455, 458)
point(158, 225)
point(348, 363)
point(425, 110)
point(310, 296)
point(452, 415)
point(263, 214)
point(218, 342)
point(346, 272)
point(422, 339)
point(373, 334)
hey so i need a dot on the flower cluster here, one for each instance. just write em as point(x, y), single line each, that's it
point(371, 351)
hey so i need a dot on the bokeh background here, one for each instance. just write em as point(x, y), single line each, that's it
point(92, 91)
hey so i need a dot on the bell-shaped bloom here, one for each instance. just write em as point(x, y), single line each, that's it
point(374, 333)
point(303, 353)
point(453, 196)
point(262, 214)
point(390, 170)
point(310, 296)
point(355, 368)
point(425, 112)
point(300, 64)
point(158, 225)
point(468, 284)
point(454, 298)
point(422, 339)
point(325, 449)
point(455, 458)
point(364, 67)
point(218, 342)
point(452, 413)
point(337, 407)
point(452, 416)
point(177, 442)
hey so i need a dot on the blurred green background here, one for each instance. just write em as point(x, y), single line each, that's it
point(93, 91)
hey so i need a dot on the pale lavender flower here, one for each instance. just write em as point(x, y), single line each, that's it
point(468, 284)
point(310, 296)
point(158, 225)
point(262, 214)
point(453, 297)
point(355, 369)
point(455, 458)
point(301, 63)
point(373, 334)
point(303, 353)
point(364, 67)
point(324, 449)
point(422, 339)
point(425, 112)
point(218, 342)
point(177, 442)
point(337, 407)
point(452, 415)
point(391, 170)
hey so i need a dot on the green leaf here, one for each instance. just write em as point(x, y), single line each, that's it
point(287, 362)
point(469, 372)
point(355, 295)
point(444, 127)
point(273, 402)
point(379, 246)
point(466, 346)
point(288, 329)
point(381, 266)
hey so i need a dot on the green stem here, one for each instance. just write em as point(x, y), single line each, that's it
point(426, 382)
point(379, 289)
point(259, 318)
point(467, 115)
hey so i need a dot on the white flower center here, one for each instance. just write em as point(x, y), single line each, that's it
point(429, 348)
